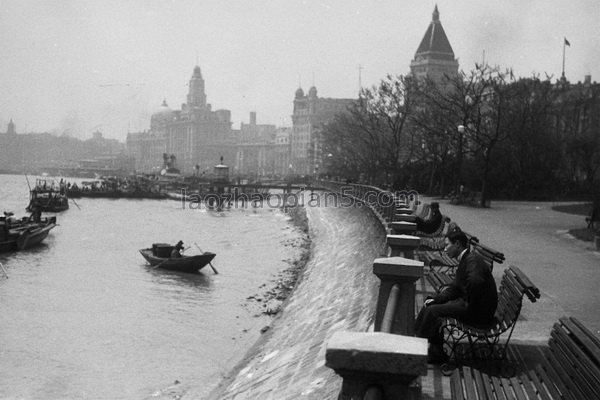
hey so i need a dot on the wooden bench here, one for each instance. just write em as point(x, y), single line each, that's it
point(439, 232)
point(442, 268)
point(433, 255)
point(424, 212)
point(569, 369)
point(463, 341)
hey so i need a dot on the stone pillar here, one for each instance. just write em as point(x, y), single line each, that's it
point(404, 227)
point(365, 360)
point(403, 211)
point(404, 272)
point(405, 218)
point(402, 245)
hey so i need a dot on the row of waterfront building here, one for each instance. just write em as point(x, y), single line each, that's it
point(198, 136)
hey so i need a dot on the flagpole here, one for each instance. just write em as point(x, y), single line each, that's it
point(563, 69)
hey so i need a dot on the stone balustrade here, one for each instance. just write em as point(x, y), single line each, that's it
point(402, 245)
point(403, 273)
point(376, 361)
point(385, 364)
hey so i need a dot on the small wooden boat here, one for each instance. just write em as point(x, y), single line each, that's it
point(158, 257)
point(24, 233)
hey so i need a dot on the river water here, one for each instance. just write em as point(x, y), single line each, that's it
point(82, 316)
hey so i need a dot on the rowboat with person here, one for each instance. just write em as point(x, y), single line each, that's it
point(166, 256)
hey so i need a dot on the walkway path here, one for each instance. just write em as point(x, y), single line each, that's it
point(535, 238)
point(335, 292)
point(338, 290)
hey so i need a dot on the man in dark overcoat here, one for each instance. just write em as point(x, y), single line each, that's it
point(472, 297)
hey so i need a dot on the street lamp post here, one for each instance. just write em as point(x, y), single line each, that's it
point(459, 158)
point(461, 131)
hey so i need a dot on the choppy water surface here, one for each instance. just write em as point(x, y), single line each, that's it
point(84, 316)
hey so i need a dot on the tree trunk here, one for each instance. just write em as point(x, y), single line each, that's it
point(431, 178)
point(486, 169)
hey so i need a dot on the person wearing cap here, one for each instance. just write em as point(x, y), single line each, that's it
point(434, 221)
point(176, 252)
point(472, 296)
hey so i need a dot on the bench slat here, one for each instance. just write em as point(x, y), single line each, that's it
point(517, 389)
point(498, 388)
point(534, 292)
point(582, 370)
point(552, 385)
point(590, 342)
point(563, 371)
point(469, 383)
point(483, 387)
point(528, 386)
point(545, 392)
point(456, 389)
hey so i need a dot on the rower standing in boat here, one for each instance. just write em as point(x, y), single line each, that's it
point(176, 252)
point(36, 215)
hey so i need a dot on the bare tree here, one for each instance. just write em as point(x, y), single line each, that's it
point(373, 135)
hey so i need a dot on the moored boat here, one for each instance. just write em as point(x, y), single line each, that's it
point(48, 196)
point(159, 257)
point(21, 234)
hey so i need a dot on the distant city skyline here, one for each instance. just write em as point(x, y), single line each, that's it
point(85, 66)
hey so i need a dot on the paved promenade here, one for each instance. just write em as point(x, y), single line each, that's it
point(337, 291)
point(534, 237)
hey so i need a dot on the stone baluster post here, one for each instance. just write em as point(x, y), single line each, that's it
point(403, 227)
point(403, 210)
point(405, 218)
point(402, 245)
point(402, 273)
point(368, 360)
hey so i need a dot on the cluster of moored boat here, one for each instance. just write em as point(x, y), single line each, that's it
point(49, 196)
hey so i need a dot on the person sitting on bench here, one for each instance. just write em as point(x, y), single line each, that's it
point(472, 296)
point(431, 224)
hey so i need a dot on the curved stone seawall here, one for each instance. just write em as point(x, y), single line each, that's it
point(336, 291)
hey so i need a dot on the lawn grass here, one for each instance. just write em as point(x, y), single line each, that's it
point(583, 209)
point(587, 235)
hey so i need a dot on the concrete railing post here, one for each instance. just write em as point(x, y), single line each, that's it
point(402, 245)
point(402, 227)
point(367, 361)
point(405, 218)
point(403, 210)
point(401, 273)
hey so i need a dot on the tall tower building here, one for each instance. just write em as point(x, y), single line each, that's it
point(196, 96)
point(196, 135)
point(434, 57)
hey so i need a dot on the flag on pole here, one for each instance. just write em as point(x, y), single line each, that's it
point(567, 42)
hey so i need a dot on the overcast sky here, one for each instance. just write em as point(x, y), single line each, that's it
point(83, 65)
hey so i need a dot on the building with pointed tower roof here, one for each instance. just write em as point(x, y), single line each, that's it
point(434, 57)
point(196, 135)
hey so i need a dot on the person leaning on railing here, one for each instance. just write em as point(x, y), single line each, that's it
point(472, 296)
